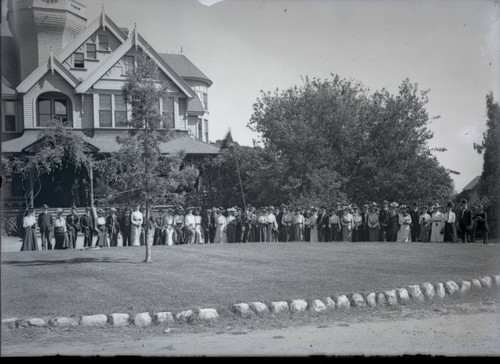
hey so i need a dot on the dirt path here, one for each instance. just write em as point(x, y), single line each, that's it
point(458, 329)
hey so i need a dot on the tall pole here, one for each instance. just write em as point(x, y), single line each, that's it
point(146, 167)
point(239, 177)
point(91, 177)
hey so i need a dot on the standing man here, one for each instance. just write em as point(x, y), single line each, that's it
point(179, 225)
point(113, 227)
point(87, 226)
point(415, 225)
point(466, 223)
point(73, 226)
point(286, 225)
point(393, 225)
point(480, 224)
point(125, 227)
point(384, 220)
point(212, 227)
point(205, 226)
point(189, 226)
point(45, 225)
point(363, 229)
point(159, 237)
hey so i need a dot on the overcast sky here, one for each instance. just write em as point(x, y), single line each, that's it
point(243, 46)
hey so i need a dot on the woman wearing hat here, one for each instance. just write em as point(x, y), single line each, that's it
point(450, 230)
point(102, 238)
point(357, 221)
point(404, 232)
point(373, 224)
point(189, 225)
point(168, 223)
point(313, 225)
point(29, 225)
point(334, 225)
point(437, 229)
point(347, 224)
point(61, 231)
point(231, 225)
point(220, 231)
point(136, 219)
point(425, 222)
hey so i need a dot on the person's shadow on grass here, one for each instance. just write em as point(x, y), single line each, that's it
point(68, 261)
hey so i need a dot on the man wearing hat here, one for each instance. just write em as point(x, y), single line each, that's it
point(179, 225)
point(286, 224)
point(73, 225)
point(384, 219)
point(480, 225)
point(159, 221)
point(209, 225)
point(113, 227)
point(415, 226)
point(189, 226)
point(125, 226)
point(450, 230)
point(87, 224)
point(466, 223)
point(393, 226)
point(45, 225)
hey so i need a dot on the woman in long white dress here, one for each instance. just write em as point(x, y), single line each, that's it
point(220, 230)
point(137, 220)
point(405, 225)
point(169, 226)
point(437, 229)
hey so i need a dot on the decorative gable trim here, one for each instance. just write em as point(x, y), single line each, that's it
point(51, 65)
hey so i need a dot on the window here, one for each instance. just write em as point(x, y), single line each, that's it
point(53, 106)
point(200, 130)
point(206, 130)
point(103, 42)
point(105, 118)
point(78, 60)
point(168, 111)
point(128, 65)
point(205, 101)
point(120, 111)
point(91, 51)
point(9, 115)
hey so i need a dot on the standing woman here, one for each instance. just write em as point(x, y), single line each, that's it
point(220, 231)
point(335, 227)
point(437, 229)
point(357, 221)
point(136, 219)
point(102, 236)
point(231, 225)
point(450, 230)
point(404, 232)
point(373, 224)
point(29, 225)
point(346, 221)
point(313, 226)
point(61, 231)
point(424, 221)
point(169, 227)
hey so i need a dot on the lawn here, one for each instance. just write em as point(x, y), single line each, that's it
point(81, 282)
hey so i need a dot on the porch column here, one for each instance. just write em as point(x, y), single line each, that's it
point(31, 197)
point(91, 176)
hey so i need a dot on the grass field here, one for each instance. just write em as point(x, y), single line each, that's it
point(81, 282)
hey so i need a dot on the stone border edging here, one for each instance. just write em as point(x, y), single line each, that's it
point(401, 295)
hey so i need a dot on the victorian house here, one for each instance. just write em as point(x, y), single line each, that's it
point(58, 65)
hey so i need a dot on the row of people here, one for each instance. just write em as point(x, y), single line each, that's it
point(392, 222)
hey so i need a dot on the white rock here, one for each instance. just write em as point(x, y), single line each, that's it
point(497, 280)
point(357, 300)
point(317, 306)
point(403, 296)
point(371, 299)
point(143, 319)
point(330, 303)
point(298, 306)
point(208, 314)
point(93, 320)
point(259, 308)
point(465, 286)
point(381, 300)
point(428, 290)
point(440, 292)
point(391, 296)
point(61, 321)
point(119, 319)
point(486, 282)
point(476, 284)
point(242, 310)
point(37, 322)
point(185, 316)
point(451, 288)
point(10, 322)
point(163, 317)
point(343, 302)
point(415, 293)
point(279, 306)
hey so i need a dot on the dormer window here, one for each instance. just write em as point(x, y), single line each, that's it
point(78, 61)
point(103, 42)
point(128, 65)
point(91, 51)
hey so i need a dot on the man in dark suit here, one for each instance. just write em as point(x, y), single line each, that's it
point(205, 226)
point(87, 225)
point(384, 219)
point(125, 226)
point(415, 226)
point(113, 227)
point(73, 226)
point(466, 223)
point(45, 225)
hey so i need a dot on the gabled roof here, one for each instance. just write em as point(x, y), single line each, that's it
point(472, 184)
point(39, 72)
point(184, 67)
point(35, 146)
point(195, 107)
point(7, 89)
point(134, 40)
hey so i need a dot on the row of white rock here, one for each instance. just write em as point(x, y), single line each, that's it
point(425, 291)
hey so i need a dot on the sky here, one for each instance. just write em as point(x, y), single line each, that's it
point(451, 48)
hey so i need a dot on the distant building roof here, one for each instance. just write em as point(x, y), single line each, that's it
point(472, 184)
point(184, 67)
point(105, 142)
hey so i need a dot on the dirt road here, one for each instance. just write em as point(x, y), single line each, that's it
point(454, 329)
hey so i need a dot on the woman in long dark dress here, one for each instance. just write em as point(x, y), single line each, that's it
point(29, 226)
point(61, 232)
point(102, 236)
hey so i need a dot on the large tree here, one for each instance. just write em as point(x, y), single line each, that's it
point(337, 140)
point(489, 186)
